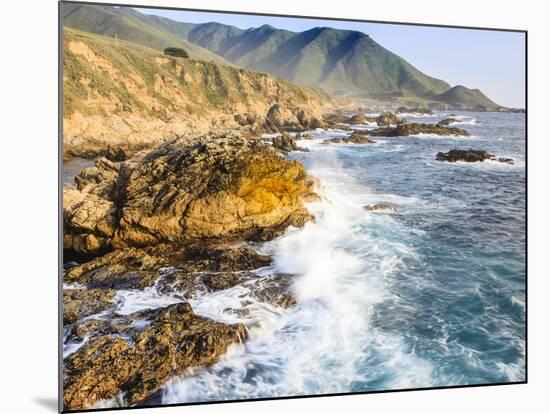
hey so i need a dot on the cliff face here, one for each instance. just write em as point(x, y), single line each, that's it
point(122, 95)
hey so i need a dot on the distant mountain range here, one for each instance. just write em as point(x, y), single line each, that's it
point(127, 24)
point(342, 62)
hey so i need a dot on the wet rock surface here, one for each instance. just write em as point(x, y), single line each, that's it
point(79, 303)
point(175, 340)
point(447, 121)
point(470, 155)
point(407, 129)
point(355, 137)
point(380, 207)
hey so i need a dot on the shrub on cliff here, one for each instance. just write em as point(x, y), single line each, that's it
point(176, 52)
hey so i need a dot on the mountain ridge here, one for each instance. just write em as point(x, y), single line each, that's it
point(343, 62)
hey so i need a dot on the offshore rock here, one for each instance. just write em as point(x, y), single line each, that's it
point(470, 155)
point(407, 129)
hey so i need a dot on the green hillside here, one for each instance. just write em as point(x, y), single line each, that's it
point(126, 24)
point(471, 98)
point(342, 62)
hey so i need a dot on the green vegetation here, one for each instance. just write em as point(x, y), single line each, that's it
point(471, 98)
point(124, 23)
point(341, 62)
point(101, 72)
point(176, 52)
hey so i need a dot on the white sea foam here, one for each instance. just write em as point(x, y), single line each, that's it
point(73, 346)
point(436, 136)
point(132, 300)
point(324, 343)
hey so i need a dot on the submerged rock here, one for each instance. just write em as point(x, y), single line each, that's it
point(356, 137)
point(380, 207)
point(470, 155)
point(175, 340)
point(276, 290)
point(407, 129)
point(447, 121)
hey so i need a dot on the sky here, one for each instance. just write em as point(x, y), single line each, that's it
point(492, 61)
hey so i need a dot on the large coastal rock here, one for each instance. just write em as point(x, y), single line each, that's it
point(407, 129)
point(214, 187)
point(281, 118)
point(207, 187)
point(470, 155)
point(174, 340)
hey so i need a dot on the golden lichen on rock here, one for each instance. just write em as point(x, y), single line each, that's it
point(207, 187)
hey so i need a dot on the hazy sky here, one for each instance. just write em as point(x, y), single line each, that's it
point(489, 60)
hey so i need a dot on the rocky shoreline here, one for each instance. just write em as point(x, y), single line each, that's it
point(179, 219)
point(173, 219)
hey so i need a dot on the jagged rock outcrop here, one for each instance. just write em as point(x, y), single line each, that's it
point(280, 118)
point(407, 129)
point(389, 118)
point(286, 143)
point(208, 187)
point(175, 340)
point(89, 221)
point(470, 155)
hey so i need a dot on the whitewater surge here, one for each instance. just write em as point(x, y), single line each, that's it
point(326, 343)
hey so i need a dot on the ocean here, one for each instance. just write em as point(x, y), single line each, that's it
point(430, 295)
